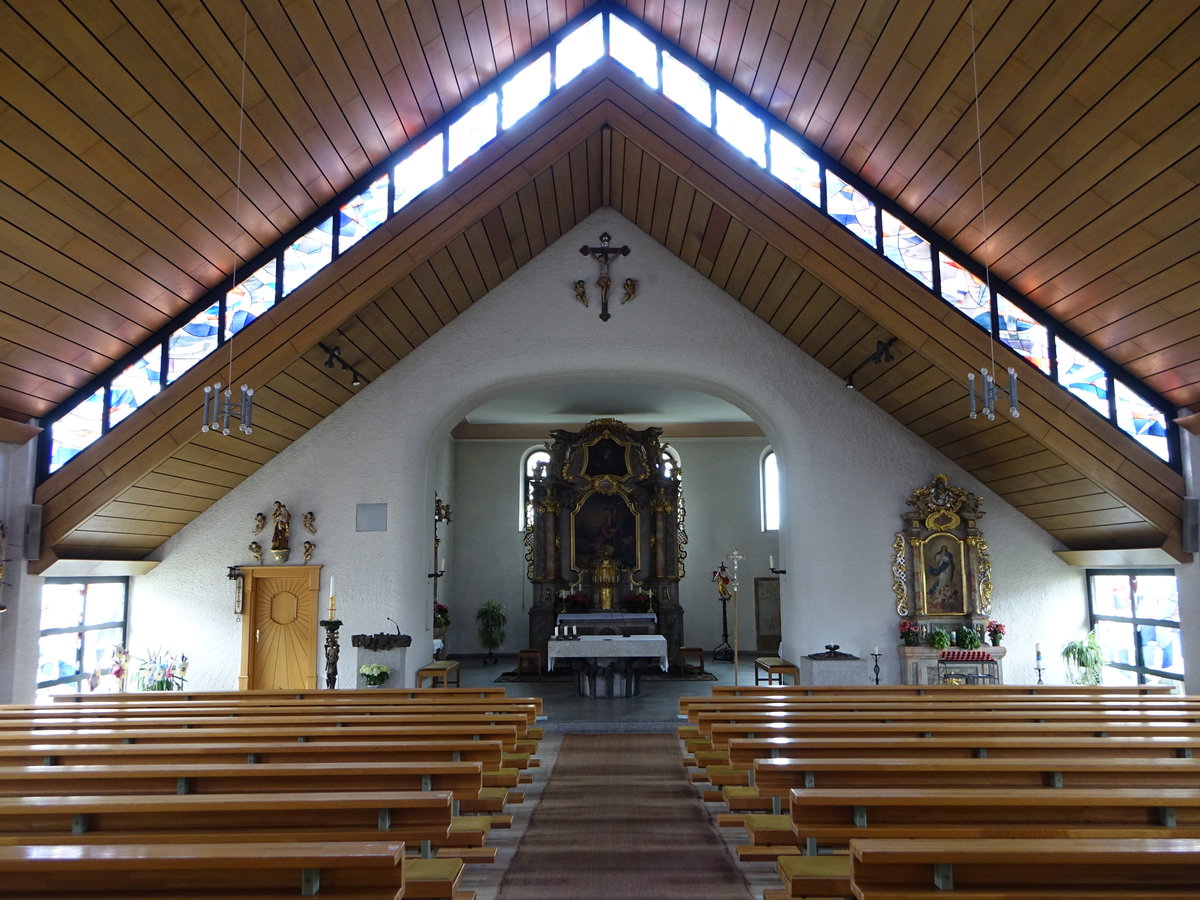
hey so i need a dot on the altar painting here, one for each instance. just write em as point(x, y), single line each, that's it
point(605, 525)
point(943, 576)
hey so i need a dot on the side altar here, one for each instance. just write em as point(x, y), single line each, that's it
point(605, 549)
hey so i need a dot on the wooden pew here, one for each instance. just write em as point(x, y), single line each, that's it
point(335, 870)
point(419, 819)
point(774, 779)
point(949, 690)
point(464, 780)
point(824, 819)
point(374, 695)
point(1025, 868)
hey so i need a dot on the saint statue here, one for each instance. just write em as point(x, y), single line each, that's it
point(605, 579)
point(281, 538)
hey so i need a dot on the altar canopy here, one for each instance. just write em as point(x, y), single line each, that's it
point(607, 533)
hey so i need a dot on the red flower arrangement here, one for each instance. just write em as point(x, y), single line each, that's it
point(578, 603)
point(909, 632)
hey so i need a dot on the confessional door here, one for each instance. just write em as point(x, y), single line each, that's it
point(766, 615)
point(279, 627)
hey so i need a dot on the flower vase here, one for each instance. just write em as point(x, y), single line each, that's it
point(910, 640)
point(439, 633)
point(995, 640)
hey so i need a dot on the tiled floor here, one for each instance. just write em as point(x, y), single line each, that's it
point(655, 709)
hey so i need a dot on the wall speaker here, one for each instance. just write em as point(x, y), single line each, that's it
point(1191, 524)
point(33, 531)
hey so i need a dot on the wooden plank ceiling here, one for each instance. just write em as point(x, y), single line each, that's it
point(118, 131)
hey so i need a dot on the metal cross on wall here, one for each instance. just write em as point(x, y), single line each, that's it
point(603, 255)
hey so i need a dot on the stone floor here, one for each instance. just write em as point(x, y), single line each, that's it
point(655, 709)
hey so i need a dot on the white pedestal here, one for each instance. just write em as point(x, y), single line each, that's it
point(835, 671)
point(394, 659)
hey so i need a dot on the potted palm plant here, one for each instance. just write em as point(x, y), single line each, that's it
point(490, 620)
point(1084, 659)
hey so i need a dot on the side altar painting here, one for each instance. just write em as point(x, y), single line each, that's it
point(607, 533)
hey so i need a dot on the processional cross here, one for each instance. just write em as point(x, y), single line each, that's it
point(603, 254)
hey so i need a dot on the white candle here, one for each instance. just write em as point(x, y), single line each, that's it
point(331, 598)
point(442, 564)
point(770, 562)
point(876, 650)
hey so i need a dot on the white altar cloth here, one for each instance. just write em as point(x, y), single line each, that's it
point(601, 646)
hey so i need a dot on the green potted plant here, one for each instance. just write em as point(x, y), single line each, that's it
point(490, 620)
point(939, 639)
point(441, 619)
point(374, 674)
point(968, 639)
point(1084, 659)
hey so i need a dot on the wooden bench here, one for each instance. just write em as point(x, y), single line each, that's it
point(333, 869)
point(774, 779)
point(440, 670)
point(1023, 868)
point(773, 669)
point(374, 695)
point(1047, 690)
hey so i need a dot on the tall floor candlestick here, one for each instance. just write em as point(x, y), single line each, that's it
point(735, 556)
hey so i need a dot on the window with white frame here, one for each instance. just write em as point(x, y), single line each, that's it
point(83, 621)
point(769, 481)
point(533, 458)
point(1135, 614)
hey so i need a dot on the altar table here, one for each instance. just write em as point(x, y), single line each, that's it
point(604, 664)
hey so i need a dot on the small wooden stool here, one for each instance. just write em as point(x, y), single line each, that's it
point(691, 659)
point(443, 670)
point(775, 668)
point(526, 656)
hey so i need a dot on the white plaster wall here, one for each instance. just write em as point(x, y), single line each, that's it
point(847, 469)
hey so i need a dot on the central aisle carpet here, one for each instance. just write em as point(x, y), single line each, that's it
point(618, 820)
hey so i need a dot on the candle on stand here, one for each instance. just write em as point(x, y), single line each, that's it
point(770, 562)
point(330, 598)
point(442, 565)
point(1037, 648)
point(875, 652)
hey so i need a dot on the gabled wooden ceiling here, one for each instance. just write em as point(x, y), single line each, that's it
point(117, 196)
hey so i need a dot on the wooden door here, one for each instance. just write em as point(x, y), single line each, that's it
point(279, 627)
point(766, 615)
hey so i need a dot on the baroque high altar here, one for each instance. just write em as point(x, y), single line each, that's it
point(607, 534)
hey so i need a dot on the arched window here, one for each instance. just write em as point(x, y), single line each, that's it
point(534, 457)
point(670, 460)
point(769, 479)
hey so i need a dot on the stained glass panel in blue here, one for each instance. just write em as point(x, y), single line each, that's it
point(192, 342)
point(965, 292)
point(682, 85)
point(250, 299)
point(364, 213)
point(578, 50)
point(1019, 331)
point(417, 171)
point(907, 249)
point(76, 430)
point(307, 256)
point(134, 386)
point(1082, 377)
point(851, 208)
point(795, 168)
point(744, 130)
point(1145, 423)
point(524, 91)
point(633, 50)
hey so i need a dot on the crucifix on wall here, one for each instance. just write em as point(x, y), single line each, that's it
point(603, 255)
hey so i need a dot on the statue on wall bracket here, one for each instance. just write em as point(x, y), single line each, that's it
point(940, 564)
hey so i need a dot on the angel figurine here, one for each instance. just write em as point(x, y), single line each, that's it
point(310, 522)
point(256, 551)
point(309, 547)
point(260, 522)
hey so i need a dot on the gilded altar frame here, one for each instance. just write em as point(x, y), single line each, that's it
point(940, 563)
